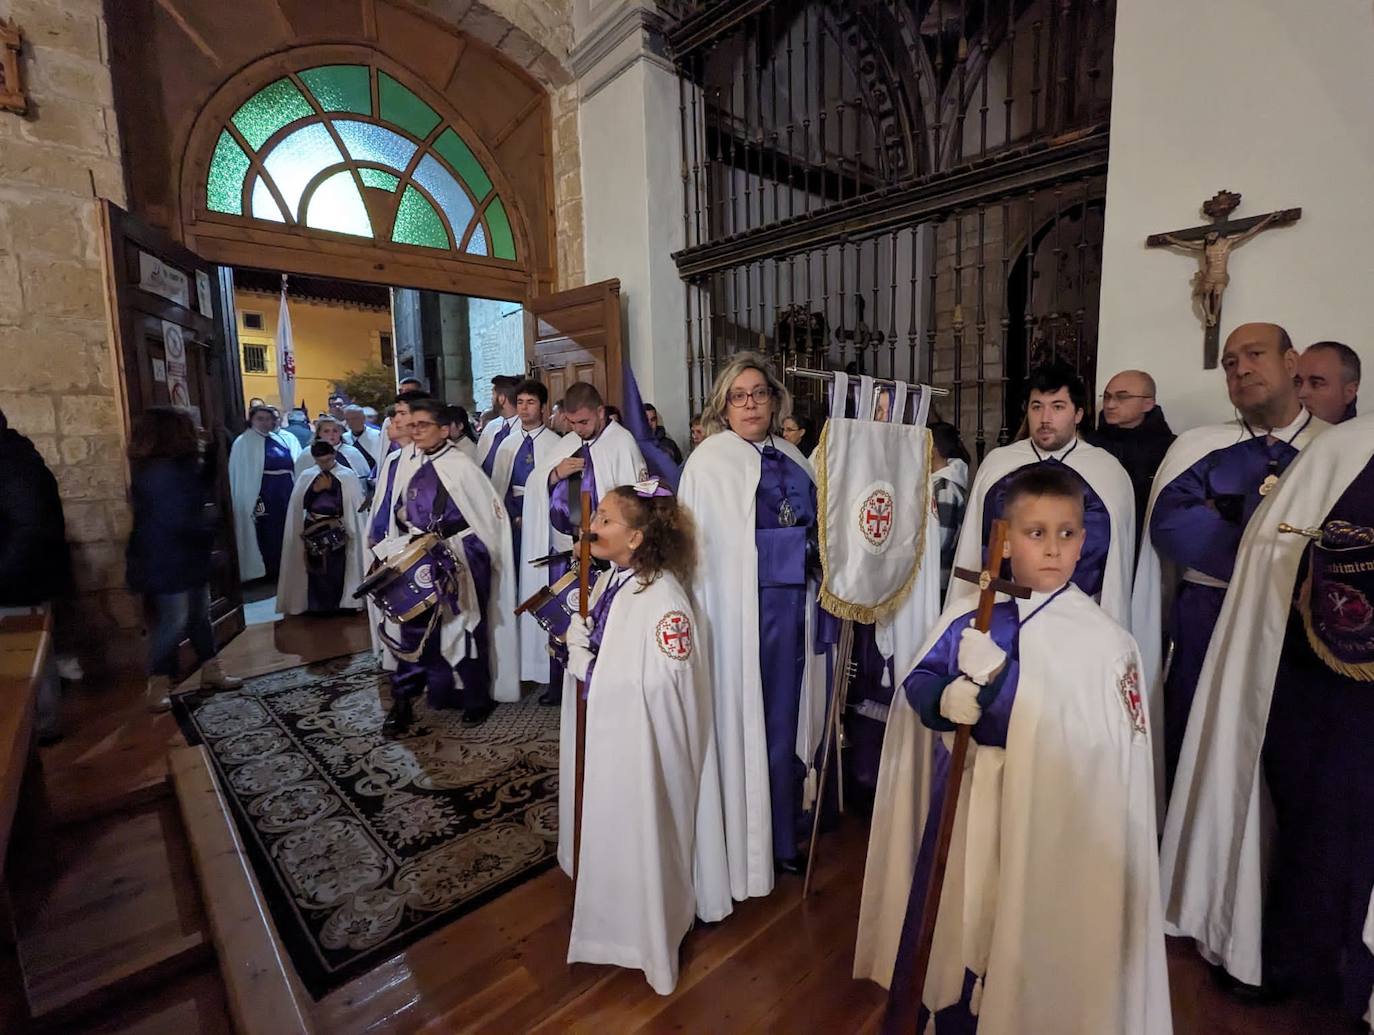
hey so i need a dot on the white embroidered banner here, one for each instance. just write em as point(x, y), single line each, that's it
point(873, 478)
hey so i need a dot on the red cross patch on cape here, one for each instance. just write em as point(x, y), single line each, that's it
point(1129, 687)
point(875, 516)
point(674, 635)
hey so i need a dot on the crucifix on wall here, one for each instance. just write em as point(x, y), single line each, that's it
point(1213, 244)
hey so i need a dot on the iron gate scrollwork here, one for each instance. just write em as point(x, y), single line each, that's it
point(910, 188)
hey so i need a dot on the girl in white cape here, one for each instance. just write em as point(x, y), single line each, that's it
point(653, 841)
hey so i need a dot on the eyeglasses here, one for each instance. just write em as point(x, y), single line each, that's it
point(416, 424)
point(1122, 397)
point(760, 395)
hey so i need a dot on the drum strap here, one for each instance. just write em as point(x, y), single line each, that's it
point(574, 499)
point(410, 655)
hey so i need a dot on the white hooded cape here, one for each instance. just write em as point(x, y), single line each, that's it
point(1156, 579)
point(617, 461)
point(653, 838)
point(357, 463)
point(534, 641)
point(1108, 479)
point(1215, 837)
point(488, 435)
point(370, 441)
point(293, 582)
point(245, 486)
point(1052, 889)
point(472, 493)
point(718, 487)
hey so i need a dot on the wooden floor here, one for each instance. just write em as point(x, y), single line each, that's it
point(103, 877)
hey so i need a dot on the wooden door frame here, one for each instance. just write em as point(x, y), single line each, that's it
point(607, 294)
point(117, 229)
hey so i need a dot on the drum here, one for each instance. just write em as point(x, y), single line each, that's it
point(413, 580)
point(324, 536)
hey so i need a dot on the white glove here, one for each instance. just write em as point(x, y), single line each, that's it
point(979, 657)
point(959, 702)
point(579, 632)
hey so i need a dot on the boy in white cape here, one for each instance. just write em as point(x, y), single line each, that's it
point(1050, 919)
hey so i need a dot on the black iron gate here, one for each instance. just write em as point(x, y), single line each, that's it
point(911, 188)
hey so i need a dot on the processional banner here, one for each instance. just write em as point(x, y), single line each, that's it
point(873, 481)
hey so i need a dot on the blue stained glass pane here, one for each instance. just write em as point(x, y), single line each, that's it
point(293, 162)
point(452, 199)
point(477, 243)
point(336, 205)
point(264, 205)
point(367, 142)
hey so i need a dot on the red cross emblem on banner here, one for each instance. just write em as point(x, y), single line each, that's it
point(875, 516)
point(674, 635)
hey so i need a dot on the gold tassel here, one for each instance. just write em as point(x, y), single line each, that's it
point(1363, 673)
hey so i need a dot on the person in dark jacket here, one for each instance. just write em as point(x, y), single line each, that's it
point(35, 564)
point(168, 557)
point(1132, 428)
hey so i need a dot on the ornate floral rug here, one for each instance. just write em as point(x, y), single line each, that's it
point(361, 844)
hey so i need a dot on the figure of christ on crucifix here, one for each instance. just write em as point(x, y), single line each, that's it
point(1213, 244)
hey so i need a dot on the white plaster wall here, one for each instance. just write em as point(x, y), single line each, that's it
point(632, 197)
point(1271, 98)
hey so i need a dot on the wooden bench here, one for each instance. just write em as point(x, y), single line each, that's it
point(25, 653)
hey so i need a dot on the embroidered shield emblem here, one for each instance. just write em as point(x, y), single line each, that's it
point(1335, 600)
point(424, 576)
point(876, 514)
point(1129, 687)
point(674, 635)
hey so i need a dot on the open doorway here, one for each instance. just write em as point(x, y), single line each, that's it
point(352, 343)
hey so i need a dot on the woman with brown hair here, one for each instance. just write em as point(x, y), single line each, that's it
point(653, 840)
point(168, 557)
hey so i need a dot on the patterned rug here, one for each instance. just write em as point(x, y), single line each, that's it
point(362, 844)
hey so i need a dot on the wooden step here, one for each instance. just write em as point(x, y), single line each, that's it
point(104, 908)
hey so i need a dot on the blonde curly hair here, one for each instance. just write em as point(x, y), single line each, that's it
point(714, 415)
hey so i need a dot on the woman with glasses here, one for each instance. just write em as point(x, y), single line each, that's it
point(753, 497)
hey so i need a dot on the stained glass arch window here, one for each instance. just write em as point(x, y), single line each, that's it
point(349, 149)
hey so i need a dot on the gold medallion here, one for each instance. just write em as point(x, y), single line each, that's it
point(1267, 486)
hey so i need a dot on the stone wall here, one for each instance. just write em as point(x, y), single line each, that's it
point(59, 385)
point(567, 186)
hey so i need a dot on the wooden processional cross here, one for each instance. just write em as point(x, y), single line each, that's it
point(1213, 244)
point(989, 584)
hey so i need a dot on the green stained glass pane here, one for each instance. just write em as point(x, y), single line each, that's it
point(377, 178)
point(336, 205)
point(502, 241)
point(269, 110)
point(464, 163)
point(403, 108)
point(418, 223)
point(224, 185)
point(340, 88)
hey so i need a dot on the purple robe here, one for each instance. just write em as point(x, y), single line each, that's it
point(565, 514)
point(274, 499)
point(433, 671)
point(599, 614)
point(785, 529)
point(1318, 760)
point(325, 576)
point(520, 470)
point(489, 461)
point(1197, 523)
point(381, 508)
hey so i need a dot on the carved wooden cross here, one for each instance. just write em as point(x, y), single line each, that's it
point(1213, 244)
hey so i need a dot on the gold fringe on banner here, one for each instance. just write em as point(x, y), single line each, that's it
point(846, 609)
point(1360, 672)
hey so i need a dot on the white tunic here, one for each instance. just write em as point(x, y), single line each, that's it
point(1052, 887)
point(1102, 471)
point(1215, 836)
point(718, 486)
point(616, 461)
point(370, 441)
point(653, 840)
point(488, 436)
point(293, 582)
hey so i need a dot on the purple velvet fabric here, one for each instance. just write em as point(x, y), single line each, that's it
point(1318, 763)
point(274, 499)
point(565, 514)
point(489, 461)
point(599, 613)
point(782, 568)
point(1197, 523)
point(324, 589)
point(381, 507)
point(515, 504)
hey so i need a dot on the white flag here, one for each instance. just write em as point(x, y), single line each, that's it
point(286, 357)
